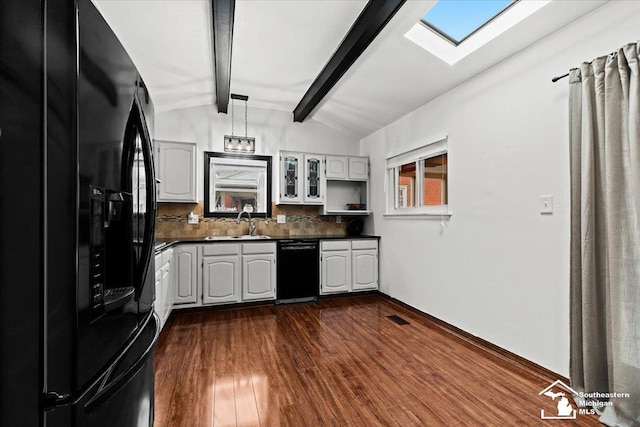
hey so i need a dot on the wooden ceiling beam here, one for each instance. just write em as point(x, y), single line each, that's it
point(223, 13)
point(373, 18)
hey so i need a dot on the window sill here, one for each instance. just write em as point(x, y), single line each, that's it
point(418, 215)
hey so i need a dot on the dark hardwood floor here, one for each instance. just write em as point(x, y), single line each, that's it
point(336, 362)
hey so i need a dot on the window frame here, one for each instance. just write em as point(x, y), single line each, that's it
point(239, 159)
point(442, 33)
point(434, 147)
point(433, 42)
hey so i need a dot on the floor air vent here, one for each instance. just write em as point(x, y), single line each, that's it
point(399, 320)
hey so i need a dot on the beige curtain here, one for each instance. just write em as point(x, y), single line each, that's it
point(605, 232)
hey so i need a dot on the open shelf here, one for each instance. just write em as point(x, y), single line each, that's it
point(340, 193)
point(346, 212)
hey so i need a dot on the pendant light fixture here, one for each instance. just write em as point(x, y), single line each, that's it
point(239, 144)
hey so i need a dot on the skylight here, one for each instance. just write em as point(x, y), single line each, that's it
point(459, 27)
point(458, 19)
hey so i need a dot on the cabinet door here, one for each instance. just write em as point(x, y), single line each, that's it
point(290, 173)
point(220, 279)
point(258, 277)
point(358, 168)
point(167, 294)
point(336, 272)
point(159, 305)
point(365, 269)
point(336, 167)
point(176, 164)
point(185, 267)
point(314, 179)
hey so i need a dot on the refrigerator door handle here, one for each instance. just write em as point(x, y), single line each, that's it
point(150, 181)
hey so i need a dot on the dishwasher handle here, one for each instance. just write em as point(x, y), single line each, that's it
point(299, 247)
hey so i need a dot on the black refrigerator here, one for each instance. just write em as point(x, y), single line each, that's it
point(77, 218)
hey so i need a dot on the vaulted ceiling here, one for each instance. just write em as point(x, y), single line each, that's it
point(280, 46)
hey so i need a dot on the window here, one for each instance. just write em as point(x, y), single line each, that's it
point(418, 180)
point(434, 181)
point(457, 20)
point(406, 179)
point(453, 29)
point(234, 181)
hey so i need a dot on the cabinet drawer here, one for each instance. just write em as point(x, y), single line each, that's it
point(364, 244)
point(259, 248)
point(335, 245)
point(220, 249)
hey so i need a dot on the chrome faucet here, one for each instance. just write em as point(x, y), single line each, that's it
point(252, 224)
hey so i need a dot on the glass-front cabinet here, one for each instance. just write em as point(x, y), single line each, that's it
point(301, 179)
point(314, 182)
point(290, 169)
point(338, 185)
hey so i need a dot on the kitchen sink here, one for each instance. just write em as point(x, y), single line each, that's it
point(245, 237)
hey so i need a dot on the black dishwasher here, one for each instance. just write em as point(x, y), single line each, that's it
point(298, 270)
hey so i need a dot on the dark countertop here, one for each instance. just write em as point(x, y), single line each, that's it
point(162, 244)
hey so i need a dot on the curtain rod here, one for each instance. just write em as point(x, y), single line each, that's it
point(555, 79)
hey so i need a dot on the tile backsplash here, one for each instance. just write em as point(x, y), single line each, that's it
point(301, 221)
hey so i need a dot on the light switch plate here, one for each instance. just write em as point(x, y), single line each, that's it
point(282, 219)
point(338, 219)
point(192, 218)
point(546, 204)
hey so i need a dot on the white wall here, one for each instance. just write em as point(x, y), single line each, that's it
point(273, 130)
point(499, 269)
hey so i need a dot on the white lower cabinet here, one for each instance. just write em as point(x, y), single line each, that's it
point(238, 272)
point(348, 265)
point(157, 305)
point(220, 279)
point(258, 271)
point(227, 273)
point(364, 269)
point(166, 290)
point(163, 286)
point(185, 274)
point(336, 271)
point(221, 271)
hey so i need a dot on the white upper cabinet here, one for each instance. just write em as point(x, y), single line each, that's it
point(176, 170)
point(301, 179)
point(348, 168)
point(337, 167)
point(290, 178)
point(314, 179)
point(338, 184)
point(358, 168)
